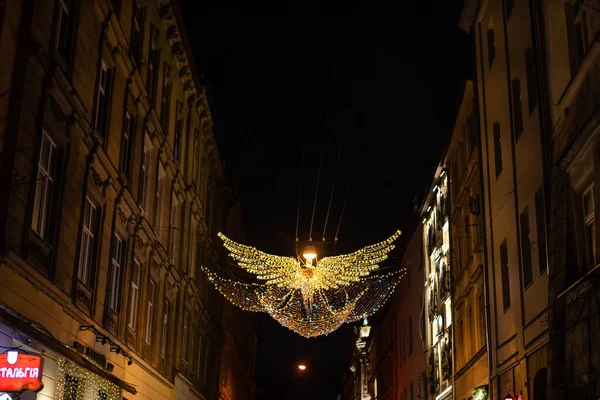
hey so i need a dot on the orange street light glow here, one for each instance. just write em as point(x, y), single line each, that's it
point(302, 367)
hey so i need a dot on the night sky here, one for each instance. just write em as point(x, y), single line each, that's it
point(292, 81)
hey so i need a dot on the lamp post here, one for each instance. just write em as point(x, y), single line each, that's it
point(361, 344)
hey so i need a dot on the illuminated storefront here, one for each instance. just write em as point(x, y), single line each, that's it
point(36, 365)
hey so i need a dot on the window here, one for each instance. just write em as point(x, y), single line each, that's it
point(184, 339)
point(491, 43)
point(576, 33)
point(44, 187)
point(410, 338)
point(471, 135)
point(173, 233)
point(165, 101)
point(482, 319)
point(165, 328)
point(1, 15)
point(461, 334)
point(144, 169)
point(517, 108)
point(102, 107)
point(126, 145)
point(134, 294)
point(137, 34)
point(178, 131)
point(472, 344)
point(497, 148)
point(531, 80)
point(160, 187)
point(510, 4)
point(117, 258)
point(87, 244)
point(540, 222)
point(196, 162)
point(504, 273)
point(526, 248)
point(589, 219)
point(150, 311)
point(206, 355)
point(199, 363)
point(153, 66)
point(193, 247)
point(65, 25)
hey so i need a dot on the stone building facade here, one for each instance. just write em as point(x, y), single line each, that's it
point(570, 58)
point(113, 192)
point(438, 324)
point(468, 262)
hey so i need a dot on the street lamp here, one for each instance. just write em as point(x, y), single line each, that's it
point(365, 329)
point(301, 367)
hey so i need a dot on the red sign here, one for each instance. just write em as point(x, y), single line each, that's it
point(20, 372)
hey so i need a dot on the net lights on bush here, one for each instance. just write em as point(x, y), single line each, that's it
point(308, 296)
point(77, 383)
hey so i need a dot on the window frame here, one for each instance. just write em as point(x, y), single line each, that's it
point(184, 340)
point(505, 273)
point(165, 327)
point(88, 243)
point(526, 256)
point(117, 261)
point(150, 300)
point(497, 147)
point(589, 220)
point(127, 144)
point(134, 290)
point(42, 212)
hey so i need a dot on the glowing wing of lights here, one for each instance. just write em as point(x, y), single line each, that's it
point(311, 300)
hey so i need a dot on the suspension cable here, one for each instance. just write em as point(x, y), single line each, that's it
point(335, 177)
point(299, 192)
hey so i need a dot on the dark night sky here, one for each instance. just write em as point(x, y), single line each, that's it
point(383, 79)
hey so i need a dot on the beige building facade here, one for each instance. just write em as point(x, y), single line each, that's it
point(514, 192)
point(113, 192)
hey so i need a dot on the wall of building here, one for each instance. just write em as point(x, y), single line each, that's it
point(571, 55)
point(111, 88)
point(513, 186)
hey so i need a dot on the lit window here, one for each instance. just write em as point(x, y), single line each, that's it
point(87, 245)
point(115, 273)
point(134, 295)
point(44, 186)
point(150, 312)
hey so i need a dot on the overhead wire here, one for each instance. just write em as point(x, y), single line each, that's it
point(333, 72)
point(335, 176)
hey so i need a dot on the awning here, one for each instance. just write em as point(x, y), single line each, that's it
point(42, 335)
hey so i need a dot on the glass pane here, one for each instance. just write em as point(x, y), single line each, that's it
point(35, 221)
point(588, 202)
point(45, 207)
point(591, 243)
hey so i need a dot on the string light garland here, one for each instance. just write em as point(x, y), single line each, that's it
point(77, 383)
point(310, 297)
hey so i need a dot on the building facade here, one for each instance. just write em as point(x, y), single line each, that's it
point(410, 375)
point(466, 248)
point(513, 161)
point(570, 57)
point(113, 192)
point(438, 324)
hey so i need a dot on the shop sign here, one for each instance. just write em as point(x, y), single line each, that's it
point(20, 372)
point(91, 354)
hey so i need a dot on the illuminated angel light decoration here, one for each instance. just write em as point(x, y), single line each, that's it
point(309, 296)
